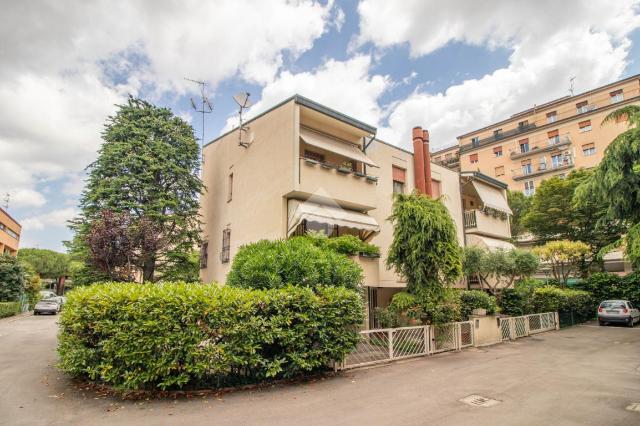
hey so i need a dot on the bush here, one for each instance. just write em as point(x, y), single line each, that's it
point(604, 286)
point(297, 261)
point(476, 299)
point(349, 245)
point(176, 335)
point(8, 309)
point(13, 279)
point(518, 300)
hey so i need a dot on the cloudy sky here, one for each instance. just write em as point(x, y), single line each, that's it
point(450, 66)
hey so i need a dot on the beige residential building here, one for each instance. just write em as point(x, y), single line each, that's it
point(10, 231)
point(302, 166)
point(547, 140)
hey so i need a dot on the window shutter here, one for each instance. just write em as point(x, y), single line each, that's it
point(552, 134)
point(616, 92)
point(588, 146)
point(551, 114)
point(497, 149)
point(581, 104)
point(473, 158)
point(523, 141)
point(399, 175)
point(525, 162)
point(584, 124)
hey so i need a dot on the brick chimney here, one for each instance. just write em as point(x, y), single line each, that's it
point(418, 159)
point(428, 188)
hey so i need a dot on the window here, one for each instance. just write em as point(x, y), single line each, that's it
point(616, 96)
point(524, 145)
point(475, 141)
point(523, 124)
point(312, 155)
point(11, 233)
point(204, 255)
point(497, 151)
point(473, 158)
point(230, 187)
point(582, 107)
point(554, 137)
point(556, 160)
point(226, 245)
point(436, 187)
point(543, 163)
point(529, 189)
point(585, 126)
point(588, 149)
point(398, 176)
point(499, 171)
point(497, 133)
point(552, 117)
point(526, 167)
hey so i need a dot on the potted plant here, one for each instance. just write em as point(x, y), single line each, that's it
point(346, 167)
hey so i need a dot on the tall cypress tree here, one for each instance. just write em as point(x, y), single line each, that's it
point(147, 168)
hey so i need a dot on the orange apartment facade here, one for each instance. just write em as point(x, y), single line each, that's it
point(10, 231)
point(548, 140)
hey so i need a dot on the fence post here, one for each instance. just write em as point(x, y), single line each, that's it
point(527, 327)
point(557, 320)
point(390, 343)
point(512, 329)
point(458, 336)
point(425, 335)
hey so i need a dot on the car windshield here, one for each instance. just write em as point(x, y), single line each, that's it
point(612, 304)
point(49, 301)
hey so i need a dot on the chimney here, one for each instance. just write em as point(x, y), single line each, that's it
point(428, 188)
point(418, 159)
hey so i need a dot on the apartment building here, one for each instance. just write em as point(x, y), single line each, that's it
point(301, 166)
point(547, 140)
point(10, 231)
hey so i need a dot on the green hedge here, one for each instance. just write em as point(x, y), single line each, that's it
point(8, 309)
point(476, 299)
point(531, 297)
point(605, 286)
point(177, 335)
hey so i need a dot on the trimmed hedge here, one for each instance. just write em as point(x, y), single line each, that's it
point(530, 297)
point(8, 309)
point(177, 335)
point(606, 286)
point(476, 299)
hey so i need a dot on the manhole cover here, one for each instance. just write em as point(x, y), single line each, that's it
point(634, 407)
point(480, 401)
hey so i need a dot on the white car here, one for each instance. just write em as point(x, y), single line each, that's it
point(47, 306)
point(618, 311)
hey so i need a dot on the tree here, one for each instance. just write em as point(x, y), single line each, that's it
point(425, 247)
point(519, 205)
point(563, 256)
point(47, 264)
point(147, 167)
point(616, 180)
point(500, 269)
point(555, 215)
point(13, 279)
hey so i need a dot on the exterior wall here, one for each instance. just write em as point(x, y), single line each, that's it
point(571, 137)
point(262, 175)
point(9, 228)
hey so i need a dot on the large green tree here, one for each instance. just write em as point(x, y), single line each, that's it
point(147, 167)
point(520, 205)
point(47, 264)
point(616, 181)
point(555, 215)
point(425, 247)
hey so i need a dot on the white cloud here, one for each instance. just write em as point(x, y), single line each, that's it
point(586, 39)
point(346, 86)
point(53, 219)
point(26, 198)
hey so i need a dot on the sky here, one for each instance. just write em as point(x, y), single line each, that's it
point(450, 67)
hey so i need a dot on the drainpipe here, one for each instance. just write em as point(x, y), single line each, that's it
point(418, 159)
point(428, 185)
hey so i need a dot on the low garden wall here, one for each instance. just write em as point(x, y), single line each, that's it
point(178, 335)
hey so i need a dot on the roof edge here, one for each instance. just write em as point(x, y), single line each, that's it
point(486, 178)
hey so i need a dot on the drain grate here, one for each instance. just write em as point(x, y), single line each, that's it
point(480, 401)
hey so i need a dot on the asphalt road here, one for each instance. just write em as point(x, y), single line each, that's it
point(585, 375)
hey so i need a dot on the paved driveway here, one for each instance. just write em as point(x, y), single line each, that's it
point(578, 376)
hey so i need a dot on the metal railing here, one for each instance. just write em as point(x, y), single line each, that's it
point(516, 327)
point(388, 344)
point(470, 219)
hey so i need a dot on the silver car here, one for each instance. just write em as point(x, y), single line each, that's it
point(618, 311)
point(47, 306)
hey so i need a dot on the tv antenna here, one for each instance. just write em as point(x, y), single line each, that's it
point(205, 108)
point(571, 84)
point(5, 201)
point(243, 101)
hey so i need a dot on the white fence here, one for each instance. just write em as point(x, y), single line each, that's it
point(515, 327)
point(388, 344)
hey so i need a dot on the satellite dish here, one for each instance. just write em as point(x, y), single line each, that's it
point(242, 99)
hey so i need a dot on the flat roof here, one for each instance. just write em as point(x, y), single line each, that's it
point(486, 178)
point(550, 104)
point(306, 102)
point(10, 217)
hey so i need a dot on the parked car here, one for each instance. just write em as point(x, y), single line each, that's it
point(47, 306)
point(618, 311)
point(47, 294)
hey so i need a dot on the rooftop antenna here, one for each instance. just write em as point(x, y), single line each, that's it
point(571, 84)
point(5, 201)
point(243, 101)
point(205, 108)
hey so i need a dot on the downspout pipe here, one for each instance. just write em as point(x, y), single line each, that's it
point(418, 159)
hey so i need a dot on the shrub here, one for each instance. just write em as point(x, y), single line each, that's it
point(476, 299)
point(297, 261)
point(518, 300)
point(8, 309)
point(603, 286)
point(553, 299)
point(176, 335)
point(13, 279)
point(349, 245)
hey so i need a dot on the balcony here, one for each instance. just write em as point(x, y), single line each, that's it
point(479, 222)
point(339, 183)
point(585, 108)
point(541, 147)
point(543, 168)
point(504, 135)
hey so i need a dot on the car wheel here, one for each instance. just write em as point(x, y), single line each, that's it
point(35, 313)
point(630, 322)
point(601, 323)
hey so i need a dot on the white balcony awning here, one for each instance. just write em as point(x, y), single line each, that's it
point(491, 244)
point(312, 212)
point(492, 197)
point(327, 143)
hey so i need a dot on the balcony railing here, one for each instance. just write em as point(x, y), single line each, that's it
point(505, 134)
point(551, 145)
point(542, 168)
point(585, 108)
point(470, 219)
